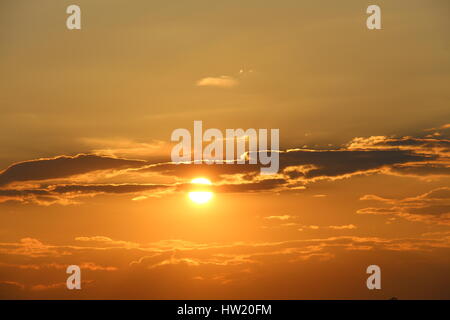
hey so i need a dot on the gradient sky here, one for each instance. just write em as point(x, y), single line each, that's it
point(86, 119)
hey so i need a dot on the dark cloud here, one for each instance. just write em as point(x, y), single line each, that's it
point(397, 156)
point(418, 143)
point(191, 170)
point(433, 144)
point(22, 193)
point(62, 167)
point(340, 163)
point(300, 164)
point(67, 194)
point(106, 188)
point(421, 170)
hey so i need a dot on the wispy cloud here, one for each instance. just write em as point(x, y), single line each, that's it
point(430, 207)
point(283, 217)
point(343, 227)
point(218, 263)
point(221, 82)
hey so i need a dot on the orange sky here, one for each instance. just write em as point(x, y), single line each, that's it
point(85, 171)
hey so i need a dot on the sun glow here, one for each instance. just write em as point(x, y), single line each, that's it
point(200, 197)
point(201, 181)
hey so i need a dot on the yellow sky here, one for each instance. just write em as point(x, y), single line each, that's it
point(85, 126)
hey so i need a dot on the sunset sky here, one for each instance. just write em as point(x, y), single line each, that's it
point(86, 176)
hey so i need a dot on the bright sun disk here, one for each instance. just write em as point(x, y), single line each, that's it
point(200, 197)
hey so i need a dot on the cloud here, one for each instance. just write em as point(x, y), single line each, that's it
point(11, 284)
point(54, 286)
point(68, 194)
point(419, 157)
point(219, 253)
point(105, 188)
point(126, 148)
point(66, 179)
point(95, 267)
point(311, 165)
point(214, 263)
point(443, 127)
point(32, 248)
point(424, 145)
point(430, 207)
point(62, 167)
point(339, 227)
point(41, 287)
point(297, 167)
point(250, 253)
point(313, 227)
point(106, 242)
point(343, 227)
point(282, 218)
point(221, 82)
point(84, 266)
point(438, 148)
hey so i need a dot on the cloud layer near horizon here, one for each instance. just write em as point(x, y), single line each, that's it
point(217, 264)
point(62, 179)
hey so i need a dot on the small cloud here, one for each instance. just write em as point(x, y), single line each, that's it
point(443, 127)
point(340, 227)
point(139, 198)
point(221, 82)
point(42, 287)
point(243, 71)
point(289, 224)
point(95, 267)
point(343, 227)
point(311, 227)
point(284, 217)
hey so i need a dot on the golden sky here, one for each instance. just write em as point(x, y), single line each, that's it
point(85, 171)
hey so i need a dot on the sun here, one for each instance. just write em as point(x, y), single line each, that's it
point(200, 196)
